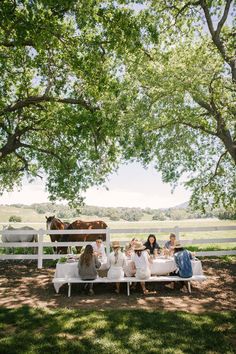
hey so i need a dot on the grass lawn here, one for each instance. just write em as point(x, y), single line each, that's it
point(27, 330)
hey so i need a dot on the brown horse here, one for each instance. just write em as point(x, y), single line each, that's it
point(53, 223)
point(85, 225)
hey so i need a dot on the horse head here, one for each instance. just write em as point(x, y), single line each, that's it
point(49, 220)
point(7, 227)
point(53, 223)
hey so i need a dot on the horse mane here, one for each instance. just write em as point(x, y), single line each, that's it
point(59, 220)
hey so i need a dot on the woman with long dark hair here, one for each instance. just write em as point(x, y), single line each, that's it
point(88, 266)
point(151, 245)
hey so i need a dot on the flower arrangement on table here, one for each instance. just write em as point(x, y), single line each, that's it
point(69, 258)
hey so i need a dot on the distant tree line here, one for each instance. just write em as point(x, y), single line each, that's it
point(127, 214)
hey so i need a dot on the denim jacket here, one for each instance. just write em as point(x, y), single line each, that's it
point(183, 262)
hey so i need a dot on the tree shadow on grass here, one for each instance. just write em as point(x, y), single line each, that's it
point(24, 284)
point(27, 330)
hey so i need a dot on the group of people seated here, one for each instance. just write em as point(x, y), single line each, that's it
point(141, 256)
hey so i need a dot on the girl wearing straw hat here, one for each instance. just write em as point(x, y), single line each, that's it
point(116, 263)
point(142, 262)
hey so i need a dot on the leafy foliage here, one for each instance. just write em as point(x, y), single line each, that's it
point(15, 218)
point(89, 84)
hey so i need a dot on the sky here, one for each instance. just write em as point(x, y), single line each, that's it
point(131, 186)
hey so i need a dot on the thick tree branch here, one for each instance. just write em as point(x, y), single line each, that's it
point(215, 34)
point(193, 126)
point(33, 100)
point(13, 141)
point(188, 4)
point(199, 127)
point(10, 44)
point(3, 127)
point(222, 132)
point(216, 169)
point(25, 166)
point(45, 151)
point(179, 11)
point(223, 18)
point(203, 104)
point(208, 17)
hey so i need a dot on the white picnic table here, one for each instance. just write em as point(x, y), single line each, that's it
point(159, 266)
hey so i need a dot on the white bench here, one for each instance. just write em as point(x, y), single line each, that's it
point(129, 280)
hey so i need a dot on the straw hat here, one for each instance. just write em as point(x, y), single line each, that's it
point(115, 244)
point(177, 245)
point(128, 247)
point(138, 246)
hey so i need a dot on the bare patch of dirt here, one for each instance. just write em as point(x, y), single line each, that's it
point(24, 284)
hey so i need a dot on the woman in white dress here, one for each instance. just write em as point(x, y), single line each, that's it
point(116, 264)
point(141, 260)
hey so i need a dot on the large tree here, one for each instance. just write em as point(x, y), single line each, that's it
point(88, 84)
point(59, 68)
point(186, 107)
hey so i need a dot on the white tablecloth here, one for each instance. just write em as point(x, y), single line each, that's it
point(70, 270)
point(163, 266)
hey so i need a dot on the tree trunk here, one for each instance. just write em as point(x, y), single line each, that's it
point(228, 142)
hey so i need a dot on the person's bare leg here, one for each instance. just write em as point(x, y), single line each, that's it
point(91, 292)
point(145, 291)
point(117, 290)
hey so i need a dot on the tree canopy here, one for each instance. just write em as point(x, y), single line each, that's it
point(87, 85)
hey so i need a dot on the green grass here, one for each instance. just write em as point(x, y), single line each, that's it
point(171, 223)
point(27, 330)
point(196, 248)
point(212, 247)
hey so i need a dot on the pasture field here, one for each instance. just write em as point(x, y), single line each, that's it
point(140, 224)
point(27, 214)
point(28, 330)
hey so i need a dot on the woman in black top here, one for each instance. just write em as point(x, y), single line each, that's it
point(152, 245)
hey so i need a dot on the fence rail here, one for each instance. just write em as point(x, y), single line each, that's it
point(40, 244)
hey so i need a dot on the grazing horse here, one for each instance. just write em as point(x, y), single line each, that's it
point(85, 225)
point(18, 237)
point(53, 223)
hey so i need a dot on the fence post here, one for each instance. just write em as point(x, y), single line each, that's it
point(40, 248)
point(176, 232)
point(108, 241)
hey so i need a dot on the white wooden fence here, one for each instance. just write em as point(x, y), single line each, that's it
point(40, 256)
